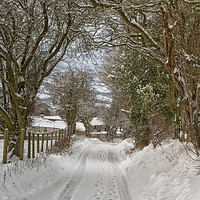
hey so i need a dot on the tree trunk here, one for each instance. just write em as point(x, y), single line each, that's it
point(87, 127)
point(185, 76)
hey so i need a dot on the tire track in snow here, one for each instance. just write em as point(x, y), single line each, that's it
point(118, 178)
point(109, 181)
point(106, 183)
point(101, 176)
point(76, 177)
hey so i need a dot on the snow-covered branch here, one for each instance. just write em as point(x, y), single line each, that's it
point(6, 117)
point(40, 37)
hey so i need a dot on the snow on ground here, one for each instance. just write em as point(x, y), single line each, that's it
point(103, 98)
point(23, 179)
point(101, 170)
point(1, 150)
point(101, 88)
point(167, 172)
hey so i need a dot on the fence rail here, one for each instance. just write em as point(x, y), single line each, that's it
point(34, 143)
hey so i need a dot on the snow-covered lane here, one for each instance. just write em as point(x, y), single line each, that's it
point(92, 170)
point(95, 176)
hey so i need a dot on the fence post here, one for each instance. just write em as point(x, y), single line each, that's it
point(42, 146)
point(73, 129)
point(55, 137)
point(38, 143)
point(33, 145)
point(65, 133)
point(59, 136)
point(21, 153)
point(62, 134)
point(5, 148)
point(51, 140)
point(47, 140)
point(29, 145)
point(68, 131)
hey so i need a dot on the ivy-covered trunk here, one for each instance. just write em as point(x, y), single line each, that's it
point(189, 109)
point(182, 50)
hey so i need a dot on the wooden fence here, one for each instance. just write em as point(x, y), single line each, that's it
point(36, 142)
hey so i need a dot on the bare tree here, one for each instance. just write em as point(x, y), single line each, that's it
point(114, 118)
point(87, 109)
point(34, 37)
point(72, 93)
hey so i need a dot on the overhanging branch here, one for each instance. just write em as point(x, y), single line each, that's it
point(40, 37)
point(6, 117)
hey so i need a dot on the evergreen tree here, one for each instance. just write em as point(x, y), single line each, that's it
point(148, 89)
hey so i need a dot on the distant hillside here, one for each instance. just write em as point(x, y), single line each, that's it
point(103, 94)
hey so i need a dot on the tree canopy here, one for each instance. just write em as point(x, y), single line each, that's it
point(168, 32)
point(35, 36)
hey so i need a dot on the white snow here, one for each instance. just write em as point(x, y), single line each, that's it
point(101, 88)
point(44, 96)
point(53, 117)
point(187, 56)
point(102, 91)
point(80, 126)
point(54, 122)
point(96, 122)
point(104, 98)
point(42, 122)
point(98, 170)
point(167, 172)
point(1, 150)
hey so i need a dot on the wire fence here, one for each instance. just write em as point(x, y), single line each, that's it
point(30, 144)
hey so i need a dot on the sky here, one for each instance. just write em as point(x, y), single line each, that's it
point(83, 61)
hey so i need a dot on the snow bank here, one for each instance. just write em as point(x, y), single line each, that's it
point(22, 180)
point(125, 148)
point(167, 172)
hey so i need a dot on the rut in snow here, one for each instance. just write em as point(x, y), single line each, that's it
point(97, 177)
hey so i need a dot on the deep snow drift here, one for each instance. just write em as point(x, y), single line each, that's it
point(165, 173)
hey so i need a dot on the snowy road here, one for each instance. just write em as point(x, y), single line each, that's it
point(95, 170)
point(96, 175)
